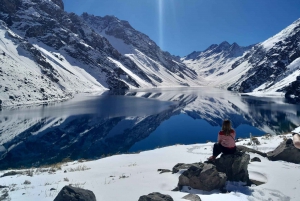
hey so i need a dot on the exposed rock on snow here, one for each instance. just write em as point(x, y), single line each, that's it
point(155, 197)
point(202, 176)
point(286, 151)
point(192, 197)
point(235, 166)
point(255, 159)
point(75, 194)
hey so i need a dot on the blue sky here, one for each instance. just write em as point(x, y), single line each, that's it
point(182, 26)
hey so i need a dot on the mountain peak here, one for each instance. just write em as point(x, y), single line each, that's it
point(224, 44)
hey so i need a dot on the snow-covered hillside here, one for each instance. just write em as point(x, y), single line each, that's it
point(134, 175)
point(65, 55)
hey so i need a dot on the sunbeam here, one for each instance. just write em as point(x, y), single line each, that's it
point(160, 21)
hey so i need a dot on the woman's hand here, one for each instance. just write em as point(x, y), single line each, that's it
point(296, 140)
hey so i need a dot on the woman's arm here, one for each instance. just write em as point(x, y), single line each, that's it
point(219, 140)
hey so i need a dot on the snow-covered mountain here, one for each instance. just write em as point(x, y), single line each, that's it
point(215, 61)
point(48, 54)
point(265, 68)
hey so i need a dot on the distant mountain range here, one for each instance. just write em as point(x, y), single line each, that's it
point(47, 54)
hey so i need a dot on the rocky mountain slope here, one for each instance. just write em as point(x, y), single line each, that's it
point(265, 68)
point(48, 54)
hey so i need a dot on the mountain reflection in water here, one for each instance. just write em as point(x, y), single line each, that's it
point(91, 127)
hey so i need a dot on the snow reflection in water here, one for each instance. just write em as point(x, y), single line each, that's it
point(94, 126)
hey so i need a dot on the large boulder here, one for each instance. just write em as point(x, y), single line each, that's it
point(155, 197)
point(202, 176)
point(75, 194)
point(286, 151)
point(235, 166)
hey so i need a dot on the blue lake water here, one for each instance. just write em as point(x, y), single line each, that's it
point(92, 127)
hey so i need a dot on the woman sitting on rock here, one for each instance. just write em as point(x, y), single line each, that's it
point(226, 141)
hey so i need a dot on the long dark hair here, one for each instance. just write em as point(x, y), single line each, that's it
point(226, 127)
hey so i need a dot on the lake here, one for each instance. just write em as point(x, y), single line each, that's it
point(95, 126)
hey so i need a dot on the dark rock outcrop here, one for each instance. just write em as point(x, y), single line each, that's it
point(75, 194)
point(286, 151)
point(235, 166)
point(246, 149)
point(202, 176)
point(292, 94)
point(155, 197)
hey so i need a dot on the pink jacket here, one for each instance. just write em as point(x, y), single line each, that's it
point(227, 141)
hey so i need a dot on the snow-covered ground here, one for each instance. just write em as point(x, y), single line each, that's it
point(129, 176)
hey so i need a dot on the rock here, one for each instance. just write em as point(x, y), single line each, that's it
point(26, 182)
point(75, 194)
point(192, 197)
point(235, 166)
point(255, 141)
point(11, 173)
point(246, 149)
point(163, 171)
point(176, 189)
point(52, 189)
point(4, 196)
point(181, 166)
point(202, 176)
point(155, 197)
point(286, 151)
point(255, 159)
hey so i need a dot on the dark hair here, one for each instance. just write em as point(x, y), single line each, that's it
point(226, 127)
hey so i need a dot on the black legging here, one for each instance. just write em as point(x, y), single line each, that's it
point(218, 148)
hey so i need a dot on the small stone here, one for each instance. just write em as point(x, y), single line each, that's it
point(52, 189)
point(26, 182)
point(255, 159)
point(192, 197)
point(163, 171)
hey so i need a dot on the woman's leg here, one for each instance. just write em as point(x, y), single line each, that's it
point(217, 149)
point(228, 151)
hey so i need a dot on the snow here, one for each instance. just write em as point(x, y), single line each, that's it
point(268, 44)
point(134, 175)
point(297, 130)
